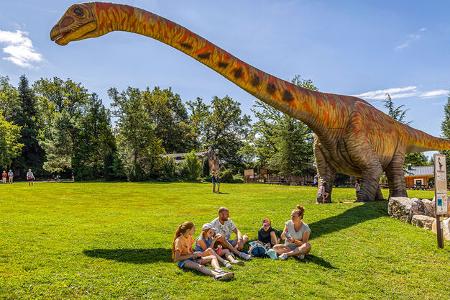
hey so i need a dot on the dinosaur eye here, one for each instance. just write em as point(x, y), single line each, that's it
point(78, 11)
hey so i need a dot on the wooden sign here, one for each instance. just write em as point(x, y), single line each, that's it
point(440, 177)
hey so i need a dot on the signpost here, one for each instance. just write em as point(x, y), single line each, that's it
point(440, 193)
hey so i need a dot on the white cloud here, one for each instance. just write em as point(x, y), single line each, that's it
point(402, 92)
point(434, 93)
point(19, 48)
point(411, 39)
point(396, 93)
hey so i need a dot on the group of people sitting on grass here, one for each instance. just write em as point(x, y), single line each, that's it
point(214, 245)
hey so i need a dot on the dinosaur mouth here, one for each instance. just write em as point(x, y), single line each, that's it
point(63, 37)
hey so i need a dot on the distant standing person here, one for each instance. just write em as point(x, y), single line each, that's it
point(322, 193)
point(357, 187)
point(30, 177)
point(10, 176)
point(215, 181)
point(4, 176)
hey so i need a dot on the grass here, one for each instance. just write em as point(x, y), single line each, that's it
point(101, 240)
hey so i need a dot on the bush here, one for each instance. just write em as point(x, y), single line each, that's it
point(226, 176)
point(168, 169)
point(191, 168)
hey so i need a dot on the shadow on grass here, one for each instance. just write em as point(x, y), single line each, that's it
point(310, 258)
point(134, 256)
point(349, 218)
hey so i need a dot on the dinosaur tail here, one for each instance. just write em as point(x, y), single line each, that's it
point(420, 141)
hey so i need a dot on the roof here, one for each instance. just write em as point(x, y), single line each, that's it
point(420, 171)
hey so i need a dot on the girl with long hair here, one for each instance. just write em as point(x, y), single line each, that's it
point(185, 257)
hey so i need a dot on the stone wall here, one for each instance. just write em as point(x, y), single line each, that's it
point(418, 212)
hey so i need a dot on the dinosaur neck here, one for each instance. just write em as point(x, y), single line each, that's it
point(297, 102)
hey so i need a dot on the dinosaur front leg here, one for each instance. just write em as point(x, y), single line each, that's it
point(395, 176)
point(326, 174)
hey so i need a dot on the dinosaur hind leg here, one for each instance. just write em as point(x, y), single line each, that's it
point(395, 176)
point(326, 173)
point(359, 149)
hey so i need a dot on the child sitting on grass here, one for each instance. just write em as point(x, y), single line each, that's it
point(185, 257)
point(205, 244)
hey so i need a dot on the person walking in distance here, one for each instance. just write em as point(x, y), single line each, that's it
point(11, 176)
point(30, 177)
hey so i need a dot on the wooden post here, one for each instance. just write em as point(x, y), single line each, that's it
point(440, 194)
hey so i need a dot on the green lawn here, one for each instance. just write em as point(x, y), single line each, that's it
point(104, 240)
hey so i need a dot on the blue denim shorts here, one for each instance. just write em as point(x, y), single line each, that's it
point(182, 262)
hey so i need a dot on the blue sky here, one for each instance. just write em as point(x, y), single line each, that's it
point(348, 47)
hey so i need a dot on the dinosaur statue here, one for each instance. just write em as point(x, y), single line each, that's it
point(351, 136)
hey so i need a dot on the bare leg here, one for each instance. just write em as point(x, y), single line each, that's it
point(280, 249)
point(209, 252)
point(195, 266)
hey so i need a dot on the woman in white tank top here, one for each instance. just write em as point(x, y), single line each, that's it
point(295, 235)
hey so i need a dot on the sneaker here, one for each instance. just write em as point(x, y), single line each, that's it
point(228, 265)
point(245, 256)
point(224, 276)
point(301, 256)
point(238, 262)
point(283, 256)
point(272, 254)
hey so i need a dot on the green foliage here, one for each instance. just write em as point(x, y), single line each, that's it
point(398, 113)
point(226, 175)
point(61, 105)
point(103, 241)
point(416, 159)
point(9, 100)
point(282, 143)
point(191, 167)
point(170, 117)
point(138, 146)
point(168, 169)
point(96, 156)
point(221, 126)
point(10, 147)
point(445, 128)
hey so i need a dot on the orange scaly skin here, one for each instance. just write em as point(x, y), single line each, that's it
point(352, 136)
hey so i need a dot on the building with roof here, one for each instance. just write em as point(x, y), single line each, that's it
point(419, 177)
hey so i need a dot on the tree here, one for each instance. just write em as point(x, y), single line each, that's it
point(221, 126)
point(171, 120)
point(139, 148)
point(96, 155)
point(27, 117)
point(61, 105)
point(398, 113)
point(445, 128)
point(191, 168)
point(9, 100)
point(10, 147)
point(282, 143)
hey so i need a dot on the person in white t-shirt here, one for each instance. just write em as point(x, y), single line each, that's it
point(295, 235)
point(224, 227)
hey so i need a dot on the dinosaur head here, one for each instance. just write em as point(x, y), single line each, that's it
point(78, 22)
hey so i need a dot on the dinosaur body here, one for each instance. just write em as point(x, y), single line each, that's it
point(351, 136)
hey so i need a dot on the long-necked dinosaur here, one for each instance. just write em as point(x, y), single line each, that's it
point(351, 136)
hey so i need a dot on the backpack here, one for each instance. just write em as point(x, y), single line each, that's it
point(257, 249)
